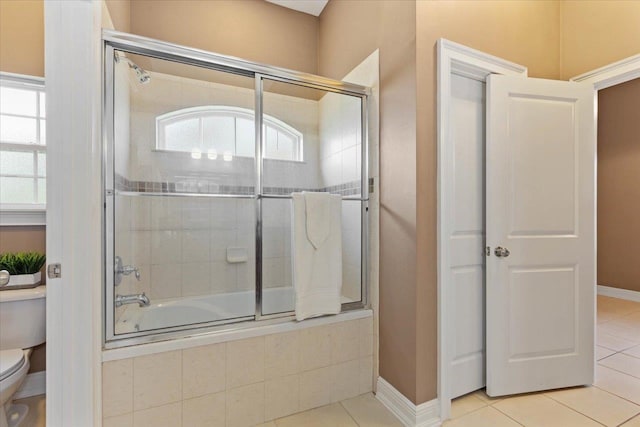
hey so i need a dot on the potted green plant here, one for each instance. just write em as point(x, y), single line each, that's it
point(24, 268)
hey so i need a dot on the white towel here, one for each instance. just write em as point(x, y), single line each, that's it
point(317, 253)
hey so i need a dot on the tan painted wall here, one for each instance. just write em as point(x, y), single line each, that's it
point(349, 32)
point(597, 33)
point(22, 37)
point(525, 32)
point(120, 14)
point(22, 52)
point(250, 29)
point(618, 189)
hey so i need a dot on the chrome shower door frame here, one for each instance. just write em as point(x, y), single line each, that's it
point(115, 40)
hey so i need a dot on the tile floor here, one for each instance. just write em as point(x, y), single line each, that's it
point(614, 400)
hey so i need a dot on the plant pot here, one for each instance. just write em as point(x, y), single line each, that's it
point(25, 280)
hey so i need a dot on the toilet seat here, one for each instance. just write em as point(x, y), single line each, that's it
point(10, 362)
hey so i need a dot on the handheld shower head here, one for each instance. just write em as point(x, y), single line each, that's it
point(141, 74)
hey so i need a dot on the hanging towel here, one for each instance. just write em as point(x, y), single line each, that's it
point(317, 253)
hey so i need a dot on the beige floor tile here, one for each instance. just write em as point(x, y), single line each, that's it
point(367, 411)
point(622, 328)
point(598, 404)
point(602, 352)
point(327, 416)
point(605, 339)
point(537, 410)
point(269, 424)
point(634, 422)
point(482, 394)
point(464, 404)
point(620, 384)
point(623, 363)
point(485, 417)
point(616, 306)
point(633, 351)
point(37, 410)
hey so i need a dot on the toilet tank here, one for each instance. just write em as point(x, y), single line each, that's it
point(22, 318)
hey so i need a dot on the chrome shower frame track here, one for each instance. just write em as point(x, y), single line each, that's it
point(118, 41)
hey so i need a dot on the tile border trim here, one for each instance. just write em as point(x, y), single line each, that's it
point(409, 414)
point(626, 294)
point(204, 186)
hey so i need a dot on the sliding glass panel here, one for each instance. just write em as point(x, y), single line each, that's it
point(312, 142)
point(184, 213)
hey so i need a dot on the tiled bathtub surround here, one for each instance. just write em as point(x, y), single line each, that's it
point(241, 383)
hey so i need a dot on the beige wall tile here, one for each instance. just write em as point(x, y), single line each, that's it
point(345, 341)
point(157, 379)
point(125, 420)
point(366, 336)
point(203, 370)
point(117, 387)
point(245, 362)
point(205, 411)
point(161, 416)
point(196, 279)
point(281, 396)
point(315, 347)
point(345, 380)
point(245, 405)
point(315, 388)
point(366, 374)
point(281, 355)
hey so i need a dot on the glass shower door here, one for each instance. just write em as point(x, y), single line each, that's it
point(312, 141)
point(180, 195)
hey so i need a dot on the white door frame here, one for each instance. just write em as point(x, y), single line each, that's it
point(453, 57)
point(613, 74)
point(73, 58)
point(462, 60)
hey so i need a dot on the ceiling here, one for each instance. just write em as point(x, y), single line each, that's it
point(312, 7)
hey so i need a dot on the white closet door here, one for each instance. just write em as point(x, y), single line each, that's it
point(466, 235)
point(540, 207)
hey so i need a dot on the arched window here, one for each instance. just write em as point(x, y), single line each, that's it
point(225, 131)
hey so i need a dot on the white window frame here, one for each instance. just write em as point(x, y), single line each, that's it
point(25, 213)
point(226, 111)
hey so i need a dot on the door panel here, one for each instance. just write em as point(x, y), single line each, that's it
point(541, 206)
point(466, 236)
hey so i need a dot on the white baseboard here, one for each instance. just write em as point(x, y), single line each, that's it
point(34, 384)
point(410, 414)
point(609, 291)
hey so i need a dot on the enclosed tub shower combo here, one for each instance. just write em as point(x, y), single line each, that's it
point(202, 154)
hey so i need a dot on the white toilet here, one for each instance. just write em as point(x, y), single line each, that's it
point(22, 326)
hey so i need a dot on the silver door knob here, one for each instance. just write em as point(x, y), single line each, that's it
point(502, 252)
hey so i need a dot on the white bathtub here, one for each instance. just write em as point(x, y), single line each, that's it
point(202, 309)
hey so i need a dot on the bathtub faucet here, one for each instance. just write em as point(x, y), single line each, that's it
point(141, 299)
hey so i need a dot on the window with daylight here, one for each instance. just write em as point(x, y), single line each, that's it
point(214, 131)
point(22, 143)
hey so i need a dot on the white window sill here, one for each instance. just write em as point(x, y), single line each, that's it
point(23, 215)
